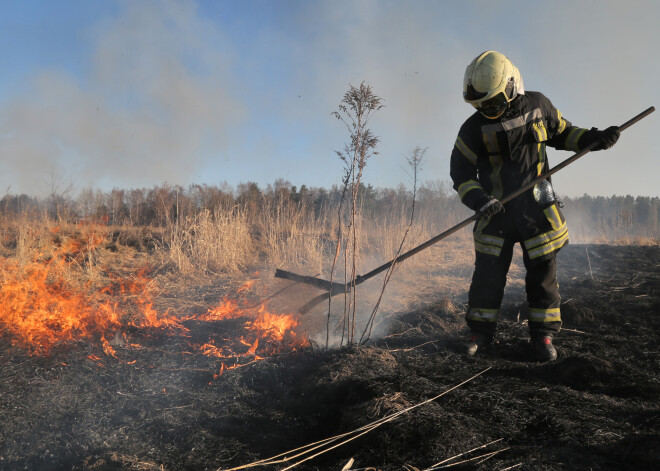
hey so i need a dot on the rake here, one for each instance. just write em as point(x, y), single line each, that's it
point(333, 288)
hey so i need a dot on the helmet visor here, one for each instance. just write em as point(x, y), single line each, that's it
point(493, 107)
point(471, 94)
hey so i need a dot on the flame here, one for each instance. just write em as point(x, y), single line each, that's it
point(273, 325)
point(268, 333)
point(253, 348)
point(227, 309)
point(39, 308)
point(44, 303)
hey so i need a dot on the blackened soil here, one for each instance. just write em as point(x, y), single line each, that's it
point(596, 407)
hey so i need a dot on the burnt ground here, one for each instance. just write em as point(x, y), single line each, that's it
point(596, 407)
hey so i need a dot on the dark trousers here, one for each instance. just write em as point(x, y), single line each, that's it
point(487, 290)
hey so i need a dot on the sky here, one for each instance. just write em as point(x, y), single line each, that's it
point(132, 94)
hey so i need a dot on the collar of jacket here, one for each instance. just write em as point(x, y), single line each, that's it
point(514, 108)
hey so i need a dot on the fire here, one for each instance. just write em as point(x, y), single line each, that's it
point(44, 303)
point(39, 308)
point(274, 326)
point(227, 309)
point(267, 333)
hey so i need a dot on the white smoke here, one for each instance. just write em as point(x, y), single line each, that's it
point(154, 100)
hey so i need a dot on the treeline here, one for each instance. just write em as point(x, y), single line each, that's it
point(162, 205)
point(436, 203)
point(599, 218)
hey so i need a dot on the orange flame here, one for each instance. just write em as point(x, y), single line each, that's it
point(42, 305)
point(273, 325)
point(38, 308)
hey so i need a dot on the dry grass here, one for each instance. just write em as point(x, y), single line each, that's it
point(215, 242)
point(237, 242)
point(283, 236)
point(27, 242)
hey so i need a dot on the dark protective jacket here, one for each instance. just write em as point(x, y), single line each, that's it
point(498, 156)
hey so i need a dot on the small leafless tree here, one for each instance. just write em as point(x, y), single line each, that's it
point(59, 197)
point(356, 108)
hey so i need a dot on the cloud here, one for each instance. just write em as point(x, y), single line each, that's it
point(155, 101)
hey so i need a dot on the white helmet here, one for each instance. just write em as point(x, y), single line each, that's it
point(491, 82)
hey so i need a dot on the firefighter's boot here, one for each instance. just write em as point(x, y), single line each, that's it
point(543, 348)
point(477, 342)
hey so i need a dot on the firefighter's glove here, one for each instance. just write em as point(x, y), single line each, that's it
point(605, 138)
point(490, 206)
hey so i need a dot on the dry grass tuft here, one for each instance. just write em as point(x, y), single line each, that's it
point(215, 242)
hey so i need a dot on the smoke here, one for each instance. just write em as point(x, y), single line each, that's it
point(154, 100)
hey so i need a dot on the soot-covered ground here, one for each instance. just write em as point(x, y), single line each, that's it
point(596, 407)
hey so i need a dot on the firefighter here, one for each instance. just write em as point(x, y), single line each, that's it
point(500, 148)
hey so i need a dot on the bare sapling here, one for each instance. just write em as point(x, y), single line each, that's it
point(355, 111)
point(414, 161)
point(59, 199)
point(345, 181)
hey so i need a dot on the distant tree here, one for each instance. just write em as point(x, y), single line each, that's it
point(162, 200)
point(59, 198)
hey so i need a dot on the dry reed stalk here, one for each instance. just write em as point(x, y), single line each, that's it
point(517, 465)
point(435, 466)
point(338, 245)
point(354, 434)
point(348, 465)
point(484, 457)
point(589, 260)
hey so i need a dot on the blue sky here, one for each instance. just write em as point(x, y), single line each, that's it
point(135, 93)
